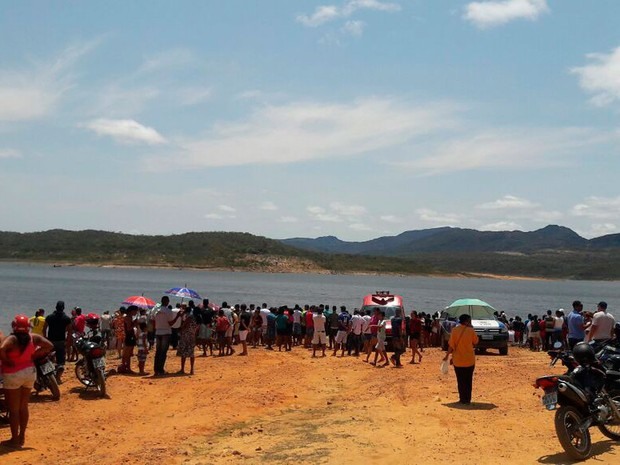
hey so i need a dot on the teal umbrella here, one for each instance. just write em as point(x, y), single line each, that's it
point(476, 308)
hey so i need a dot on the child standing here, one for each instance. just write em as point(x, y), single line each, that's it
point(142, 344)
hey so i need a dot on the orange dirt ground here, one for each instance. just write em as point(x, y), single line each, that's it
point(286, 407)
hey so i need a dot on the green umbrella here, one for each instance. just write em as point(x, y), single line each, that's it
point(476, 308)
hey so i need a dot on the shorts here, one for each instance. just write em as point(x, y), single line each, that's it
point(341, 337)
point(264, 330)
point(415, 336)
point(309, 332)
point(130, 340)
point(380, 344)
point(535, 335)
point(367, 337)
point(229, 331)
point(319, 338)
point(243, 335)
point(20, 379)
point(296, 329)
point(141, 355)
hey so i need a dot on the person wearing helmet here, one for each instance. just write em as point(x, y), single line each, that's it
point(17, 353)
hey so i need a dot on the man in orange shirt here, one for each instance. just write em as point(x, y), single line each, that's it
point(461, 345)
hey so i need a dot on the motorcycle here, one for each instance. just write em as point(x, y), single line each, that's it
point(581, 398)
point(46, 376)
point(91, 364)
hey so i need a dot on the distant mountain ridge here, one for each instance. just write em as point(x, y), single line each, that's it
point(448, 239)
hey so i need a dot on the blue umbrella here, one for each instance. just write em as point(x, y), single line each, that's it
point(183, 292)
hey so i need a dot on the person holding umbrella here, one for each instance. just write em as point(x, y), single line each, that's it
point(461, 346)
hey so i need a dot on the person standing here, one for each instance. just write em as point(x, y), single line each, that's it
point(342, 333)
point(17, 354)
point(37, 322)
point(603, 323)
point(245, 325)
point(106, 328)
point(415, 333)
point(461, 346)
point(56, 327)
point(190, 324)
point(357, 325)
point(319, 338)
point(576, 331)
point(164, 319)
point(397, 337)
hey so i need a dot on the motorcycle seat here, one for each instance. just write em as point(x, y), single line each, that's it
point(613, 373)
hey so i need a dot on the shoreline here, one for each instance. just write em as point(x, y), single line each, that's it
point(289, 270)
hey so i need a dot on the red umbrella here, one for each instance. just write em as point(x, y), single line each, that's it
point(139, 301)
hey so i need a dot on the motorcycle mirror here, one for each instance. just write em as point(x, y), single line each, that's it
point(557, 345)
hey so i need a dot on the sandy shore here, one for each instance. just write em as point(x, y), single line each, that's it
point(275, 407)
point(296, 268)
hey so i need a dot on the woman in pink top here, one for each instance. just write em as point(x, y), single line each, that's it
point(17, 354)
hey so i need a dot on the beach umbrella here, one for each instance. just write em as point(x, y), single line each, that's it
point(183, 292)
point(139, 301)
point(476, 308)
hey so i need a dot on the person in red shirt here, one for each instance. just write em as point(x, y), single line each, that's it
point(415, 333)
point(17, 354)
point(309, 327)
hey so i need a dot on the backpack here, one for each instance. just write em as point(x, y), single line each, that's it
point(549, 322)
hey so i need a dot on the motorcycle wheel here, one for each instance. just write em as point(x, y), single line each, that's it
point(612, 431)
point(53, 384)
point(577, 443)
point(81, 372)
point(101, 382)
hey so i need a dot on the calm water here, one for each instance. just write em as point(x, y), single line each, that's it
point(26, 287)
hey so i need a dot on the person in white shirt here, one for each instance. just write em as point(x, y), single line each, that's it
point(264, 313)
point(558, 324)
point(164, 319)
point(603, 324)
point(320, 338)
point(357, 327)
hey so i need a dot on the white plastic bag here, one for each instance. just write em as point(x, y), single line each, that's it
point(444, 367)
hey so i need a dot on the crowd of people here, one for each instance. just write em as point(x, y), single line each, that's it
point(225, 330)
point(542, 332)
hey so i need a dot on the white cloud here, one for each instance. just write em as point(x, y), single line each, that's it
point(268, 206)
point(602, 229)
point(601, 77)
point(354, 28)
point(326, 13)
point(214, 216)
point(360, 227)
point(168, 60)
point(10, 153)
point(495, 13)
point(525, 148)
point(288, 219)
point(119, 98)
point(502, 226)
point(508, 202)
point(297, 132)
point(601, 208)
point(347, 210)
point(125, 131)
point(391, 219)
point(227, 208)
point(444, 219)
point(193, 95)
point(35, 92)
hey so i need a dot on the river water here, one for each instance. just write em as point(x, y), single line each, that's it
point(26, 287)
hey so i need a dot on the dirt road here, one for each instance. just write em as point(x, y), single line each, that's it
point(286, 407)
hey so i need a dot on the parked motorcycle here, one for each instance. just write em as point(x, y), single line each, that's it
point(90, 367)
point(46, 376)
point(581, 398)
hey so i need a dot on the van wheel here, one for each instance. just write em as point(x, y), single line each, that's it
point(503, 351)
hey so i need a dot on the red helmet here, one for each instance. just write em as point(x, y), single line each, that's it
point(21, 324)
point(92, 319)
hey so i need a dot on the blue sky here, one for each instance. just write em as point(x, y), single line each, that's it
point(354, 118)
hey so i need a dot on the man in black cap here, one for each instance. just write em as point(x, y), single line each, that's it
point(55, 329)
